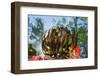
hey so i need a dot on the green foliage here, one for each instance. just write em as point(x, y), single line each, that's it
point(83, 18)
point(82, 35)
point(39, 24)
point(38, 29)
point(64, 20)
point(31, 50)
point(61, 22)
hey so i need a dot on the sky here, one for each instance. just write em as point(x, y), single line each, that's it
point(50, 21)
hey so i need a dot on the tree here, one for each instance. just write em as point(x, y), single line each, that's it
point(37, 29)
point(64, 20)
point(61, 22)
point(76, 26)
point(36, 34)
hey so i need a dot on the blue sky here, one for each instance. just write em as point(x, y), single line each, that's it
point(49, 21)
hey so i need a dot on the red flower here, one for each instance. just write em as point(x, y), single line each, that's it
point(77, 50)
point(37, 58)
